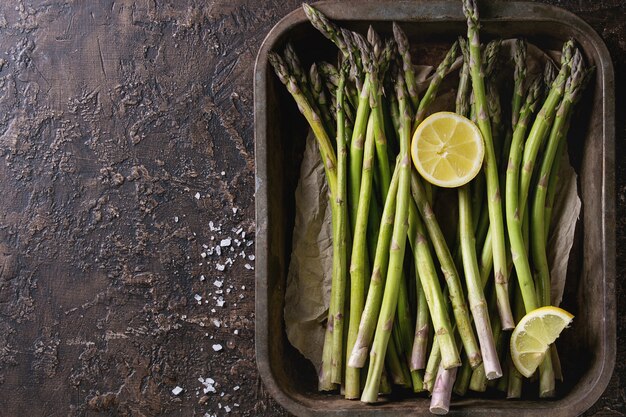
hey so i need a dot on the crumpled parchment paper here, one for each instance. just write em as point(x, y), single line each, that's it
point(307, 295)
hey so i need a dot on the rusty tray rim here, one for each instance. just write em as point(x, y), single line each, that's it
point(390, 10)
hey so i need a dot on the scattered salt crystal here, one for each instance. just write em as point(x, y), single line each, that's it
point(212, 237)
point(225, 242)
point(175, 219)
point(222, 393)
point(236, 388)
point(249, 243)
point(243, 287)
point(251, 257)
point(227, 408)
point(239, 230)
point(223, 173)
point(202, 278)
point(212, 310)
point(248, 266)
point(212, 226)
point(235, 209)
point(218, 283)
point(216, 322)
point(220, 302)
point(217, 347)
point(220, 267)
point(235, 404)
point(218, 250)
point(203, 254)
point(197, 196)
point(228, 291)
point(236, 332)
point(229, 261)
point(198, 297)
point(243, 235)
point(177, 390)
point(241, 296)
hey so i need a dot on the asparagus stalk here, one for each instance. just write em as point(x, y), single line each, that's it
point(470, 9)
point(367, 325)
point(407, 65)
point(356, 148)
point(326, 27)
point(513, 204)
point(519, 76)
point(432, 366)
point(358, 261)
point(396, 258)
point(440, 401)
point(476, 297)
point(295, 68)
point(340, 237)
point(317, 89)
point(375, 67)
point(422, 320)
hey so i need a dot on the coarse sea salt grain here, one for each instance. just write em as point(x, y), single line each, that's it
point(236, 388)
point(198, 297)
point(251, 257)
point(177, 390)
point(217, 347)
point(235, 209)
point(218, 283)
point(225, 242)
point(218, 250)
point(197, 196)
point(248, 266)
point(227, 408)
point(220, 267)
point(216, 322)
point(220, 302)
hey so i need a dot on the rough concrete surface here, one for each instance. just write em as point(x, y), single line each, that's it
point(126, 152)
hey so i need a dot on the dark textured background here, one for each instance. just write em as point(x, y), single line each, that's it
point(113, 115)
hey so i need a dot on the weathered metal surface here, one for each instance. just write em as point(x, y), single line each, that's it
point(113, 114)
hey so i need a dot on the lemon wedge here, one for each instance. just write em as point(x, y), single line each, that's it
point(534, 334)
point(447, 149)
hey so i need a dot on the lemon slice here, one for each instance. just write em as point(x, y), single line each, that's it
point(534, 334)
point(447, 149)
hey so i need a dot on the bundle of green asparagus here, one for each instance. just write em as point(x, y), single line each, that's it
point(400, 315)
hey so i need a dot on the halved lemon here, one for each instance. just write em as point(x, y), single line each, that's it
point(447, 149)
point(534, 334)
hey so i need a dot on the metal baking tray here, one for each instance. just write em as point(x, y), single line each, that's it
point(587, 350)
